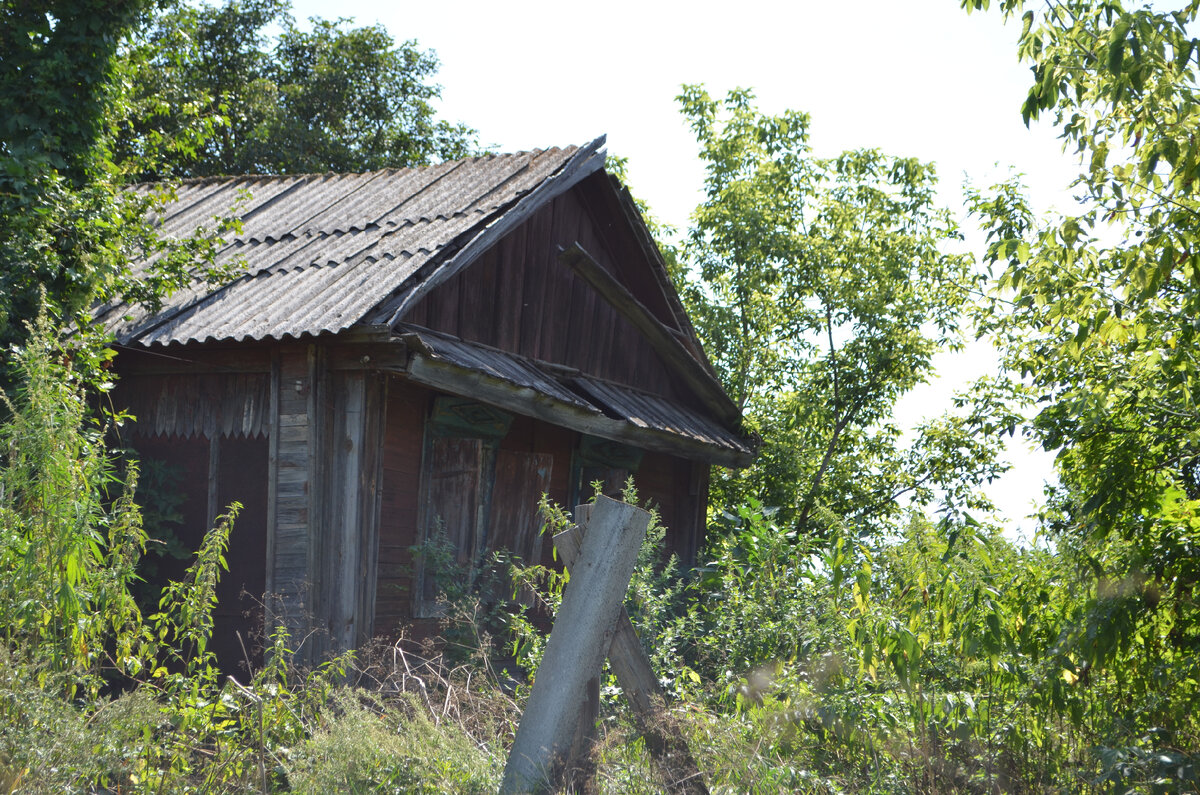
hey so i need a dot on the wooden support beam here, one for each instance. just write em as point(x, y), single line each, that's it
point(531, 403)
point(634, 674)
point(582, 632)
point(672, 351)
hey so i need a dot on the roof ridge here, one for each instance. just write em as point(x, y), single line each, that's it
point(226, 178)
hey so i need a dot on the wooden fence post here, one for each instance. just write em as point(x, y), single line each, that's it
point(581, 636)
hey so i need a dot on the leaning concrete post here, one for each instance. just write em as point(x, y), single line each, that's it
point(646, 698)
point(578, 643)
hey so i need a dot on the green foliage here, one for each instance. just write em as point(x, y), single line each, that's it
point(822, 287)
point(1096, 310)
point(213, 92)
point(942, 660)
point(70, 542)
point(67, 235)
point(68, 545)
point(364, 744)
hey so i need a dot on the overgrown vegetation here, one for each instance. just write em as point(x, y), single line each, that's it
point(835, 638)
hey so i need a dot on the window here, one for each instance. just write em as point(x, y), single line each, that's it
point(601, 461)
point(476, 497)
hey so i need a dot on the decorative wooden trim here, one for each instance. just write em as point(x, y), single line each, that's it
point(460, 416)
point(593, 451)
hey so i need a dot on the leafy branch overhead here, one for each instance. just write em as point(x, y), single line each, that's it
point(1097, 309)
point(1104, 300)
point(67, 231)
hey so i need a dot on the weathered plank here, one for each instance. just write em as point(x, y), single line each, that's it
point(370, 481)
point(403, 441)
point(523, 400)
point(521, 479)
point(272, 480)
point(581, 634)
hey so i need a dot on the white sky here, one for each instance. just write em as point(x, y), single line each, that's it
point(917, 78)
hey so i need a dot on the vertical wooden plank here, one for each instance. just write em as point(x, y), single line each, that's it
point(454, 477)
point(417, 314)
point(521, 479)
point(582, 335)
point(564, 282)
point(698, 499)
point(400, 512)
point(343, 537)
point(272, 480)
point(480, 294)
point(318, 490)
point(447, 306)
point(290, 598)
point(533, 310)
point(510, 273)
point(370, 480)
point(451, 497)
point(214, 475)
point(581, 635)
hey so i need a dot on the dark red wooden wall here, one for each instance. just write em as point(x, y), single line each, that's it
point(400, 490)
point(518, 297)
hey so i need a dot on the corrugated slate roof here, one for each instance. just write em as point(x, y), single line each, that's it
point(318, 253)
point(657, 413)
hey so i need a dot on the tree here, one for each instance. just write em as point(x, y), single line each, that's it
point(822, 288)
point(1097, 310)
point(67, 235)
point(334, 98)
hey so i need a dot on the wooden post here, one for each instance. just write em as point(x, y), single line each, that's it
point(581, 635)
point(631, 666)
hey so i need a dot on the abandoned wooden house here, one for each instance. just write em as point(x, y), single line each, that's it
point(414, 352)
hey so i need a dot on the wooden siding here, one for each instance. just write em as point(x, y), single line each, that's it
point(288, 575)
point(533, 436)
point(206, 404)
point(346, 436)
point(671, 485)
point(406, 407)
point(518, 297)
point(521, 479)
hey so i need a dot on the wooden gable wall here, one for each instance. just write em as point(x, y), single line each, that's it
point(518, 297)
